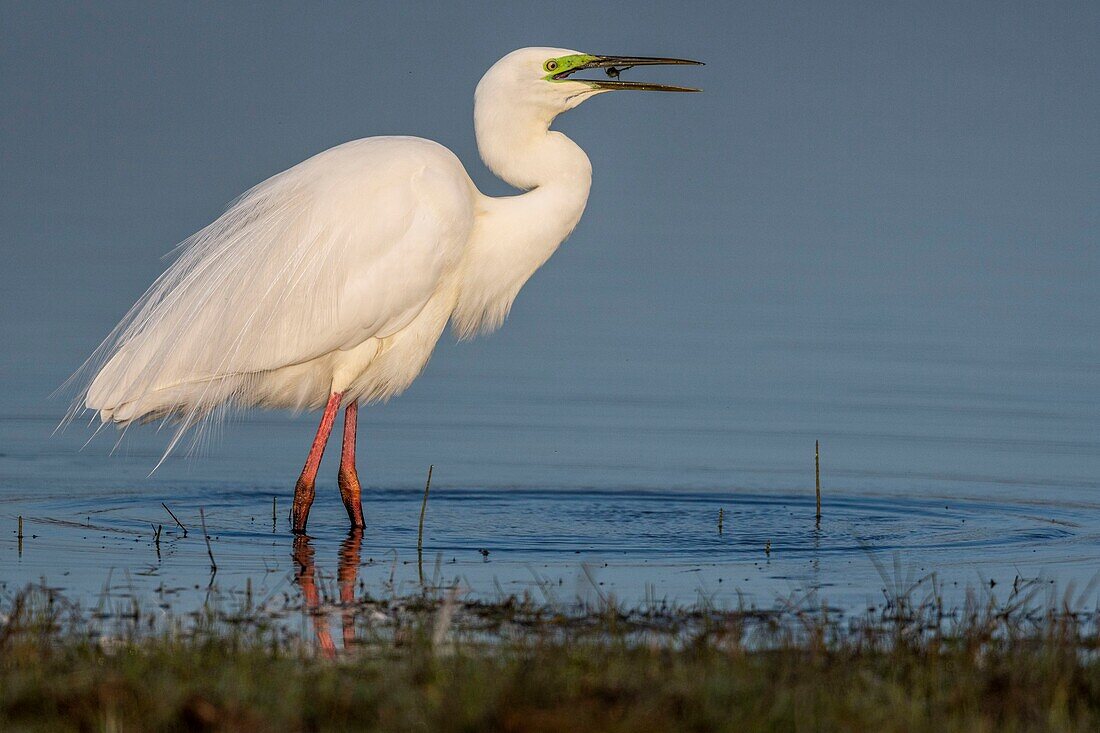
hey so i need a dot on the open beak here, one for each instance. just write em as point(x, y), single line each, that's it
point(615, 65)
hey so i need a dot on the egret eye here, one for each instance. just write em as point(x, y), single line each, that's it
point(550, 65)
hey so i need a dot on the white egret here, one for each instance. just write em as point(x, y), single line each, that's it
point(330, 283)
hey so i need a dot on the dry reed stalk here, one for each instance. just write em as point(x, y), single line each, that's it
point(175, 518)
point(209, 551)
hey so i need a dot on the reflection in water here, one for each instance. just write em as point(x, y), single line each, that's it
point(347, 573)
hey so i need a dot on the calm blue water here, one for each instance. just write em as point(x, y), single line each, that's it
point(964, 453)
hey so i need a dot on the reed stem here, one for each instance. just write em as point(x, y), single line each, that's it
point(420, 529)
point(817, 477)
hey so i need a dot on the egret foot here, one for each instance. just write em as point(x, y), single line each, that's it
point(304, 492)
point(350, 493)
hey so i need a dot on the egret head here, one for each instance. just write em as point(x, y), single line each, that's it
point(520, 96)
point(550, 81)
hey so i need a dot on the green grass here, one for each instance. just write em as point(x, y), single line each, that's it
point(441, 665)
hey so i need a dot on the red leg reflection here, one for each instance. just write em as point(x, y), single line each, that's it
point(306, 580)
point(346, 574)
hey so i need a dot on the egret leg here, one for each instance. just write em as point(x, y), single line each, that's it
point(349, 478)
point(304, 490)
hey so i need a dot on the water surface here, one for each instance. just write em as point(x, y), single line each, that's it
point(974, 461)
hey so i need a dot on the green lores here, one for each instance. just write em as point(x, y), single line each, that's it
point(557, 69)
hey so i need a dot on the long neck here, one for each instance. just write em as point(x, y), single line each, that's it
point(518, 146)
point(515, 235)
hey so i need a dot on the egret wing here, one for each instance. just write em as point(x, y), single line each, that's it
point(347, 245)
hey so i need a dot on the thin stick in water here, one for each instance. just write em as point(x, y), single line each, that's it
point(175, 518)
point(721, 514)
point(20, 534)
point(210, 552)
point(817, 476)
point(420, 529)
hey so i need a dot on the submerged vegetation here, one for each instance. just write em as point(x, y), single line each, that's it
point(437, 662)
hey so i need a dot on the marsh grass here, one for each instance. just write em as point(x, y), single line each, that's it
point(435, 661)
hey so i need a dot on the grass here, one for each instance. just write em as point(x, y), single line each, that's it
point(437, 663)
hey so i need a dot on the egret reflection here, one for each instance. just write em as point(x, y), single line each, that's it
point(347, 573)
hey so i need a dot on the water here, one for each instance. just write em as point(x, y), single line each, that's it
point(602, 472)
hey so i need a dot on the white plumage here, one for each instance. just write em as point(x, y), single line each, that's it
point(303, 284)
point(331, 282)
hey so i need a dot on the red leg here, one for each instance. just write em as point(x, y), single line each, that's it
point(349, 479)
point(304, 490)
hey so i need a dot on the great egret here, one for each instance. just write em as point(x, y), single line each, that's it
point(330, 283)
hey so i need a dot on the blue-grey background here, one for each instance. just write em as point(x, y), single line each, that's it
point(876, 227)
